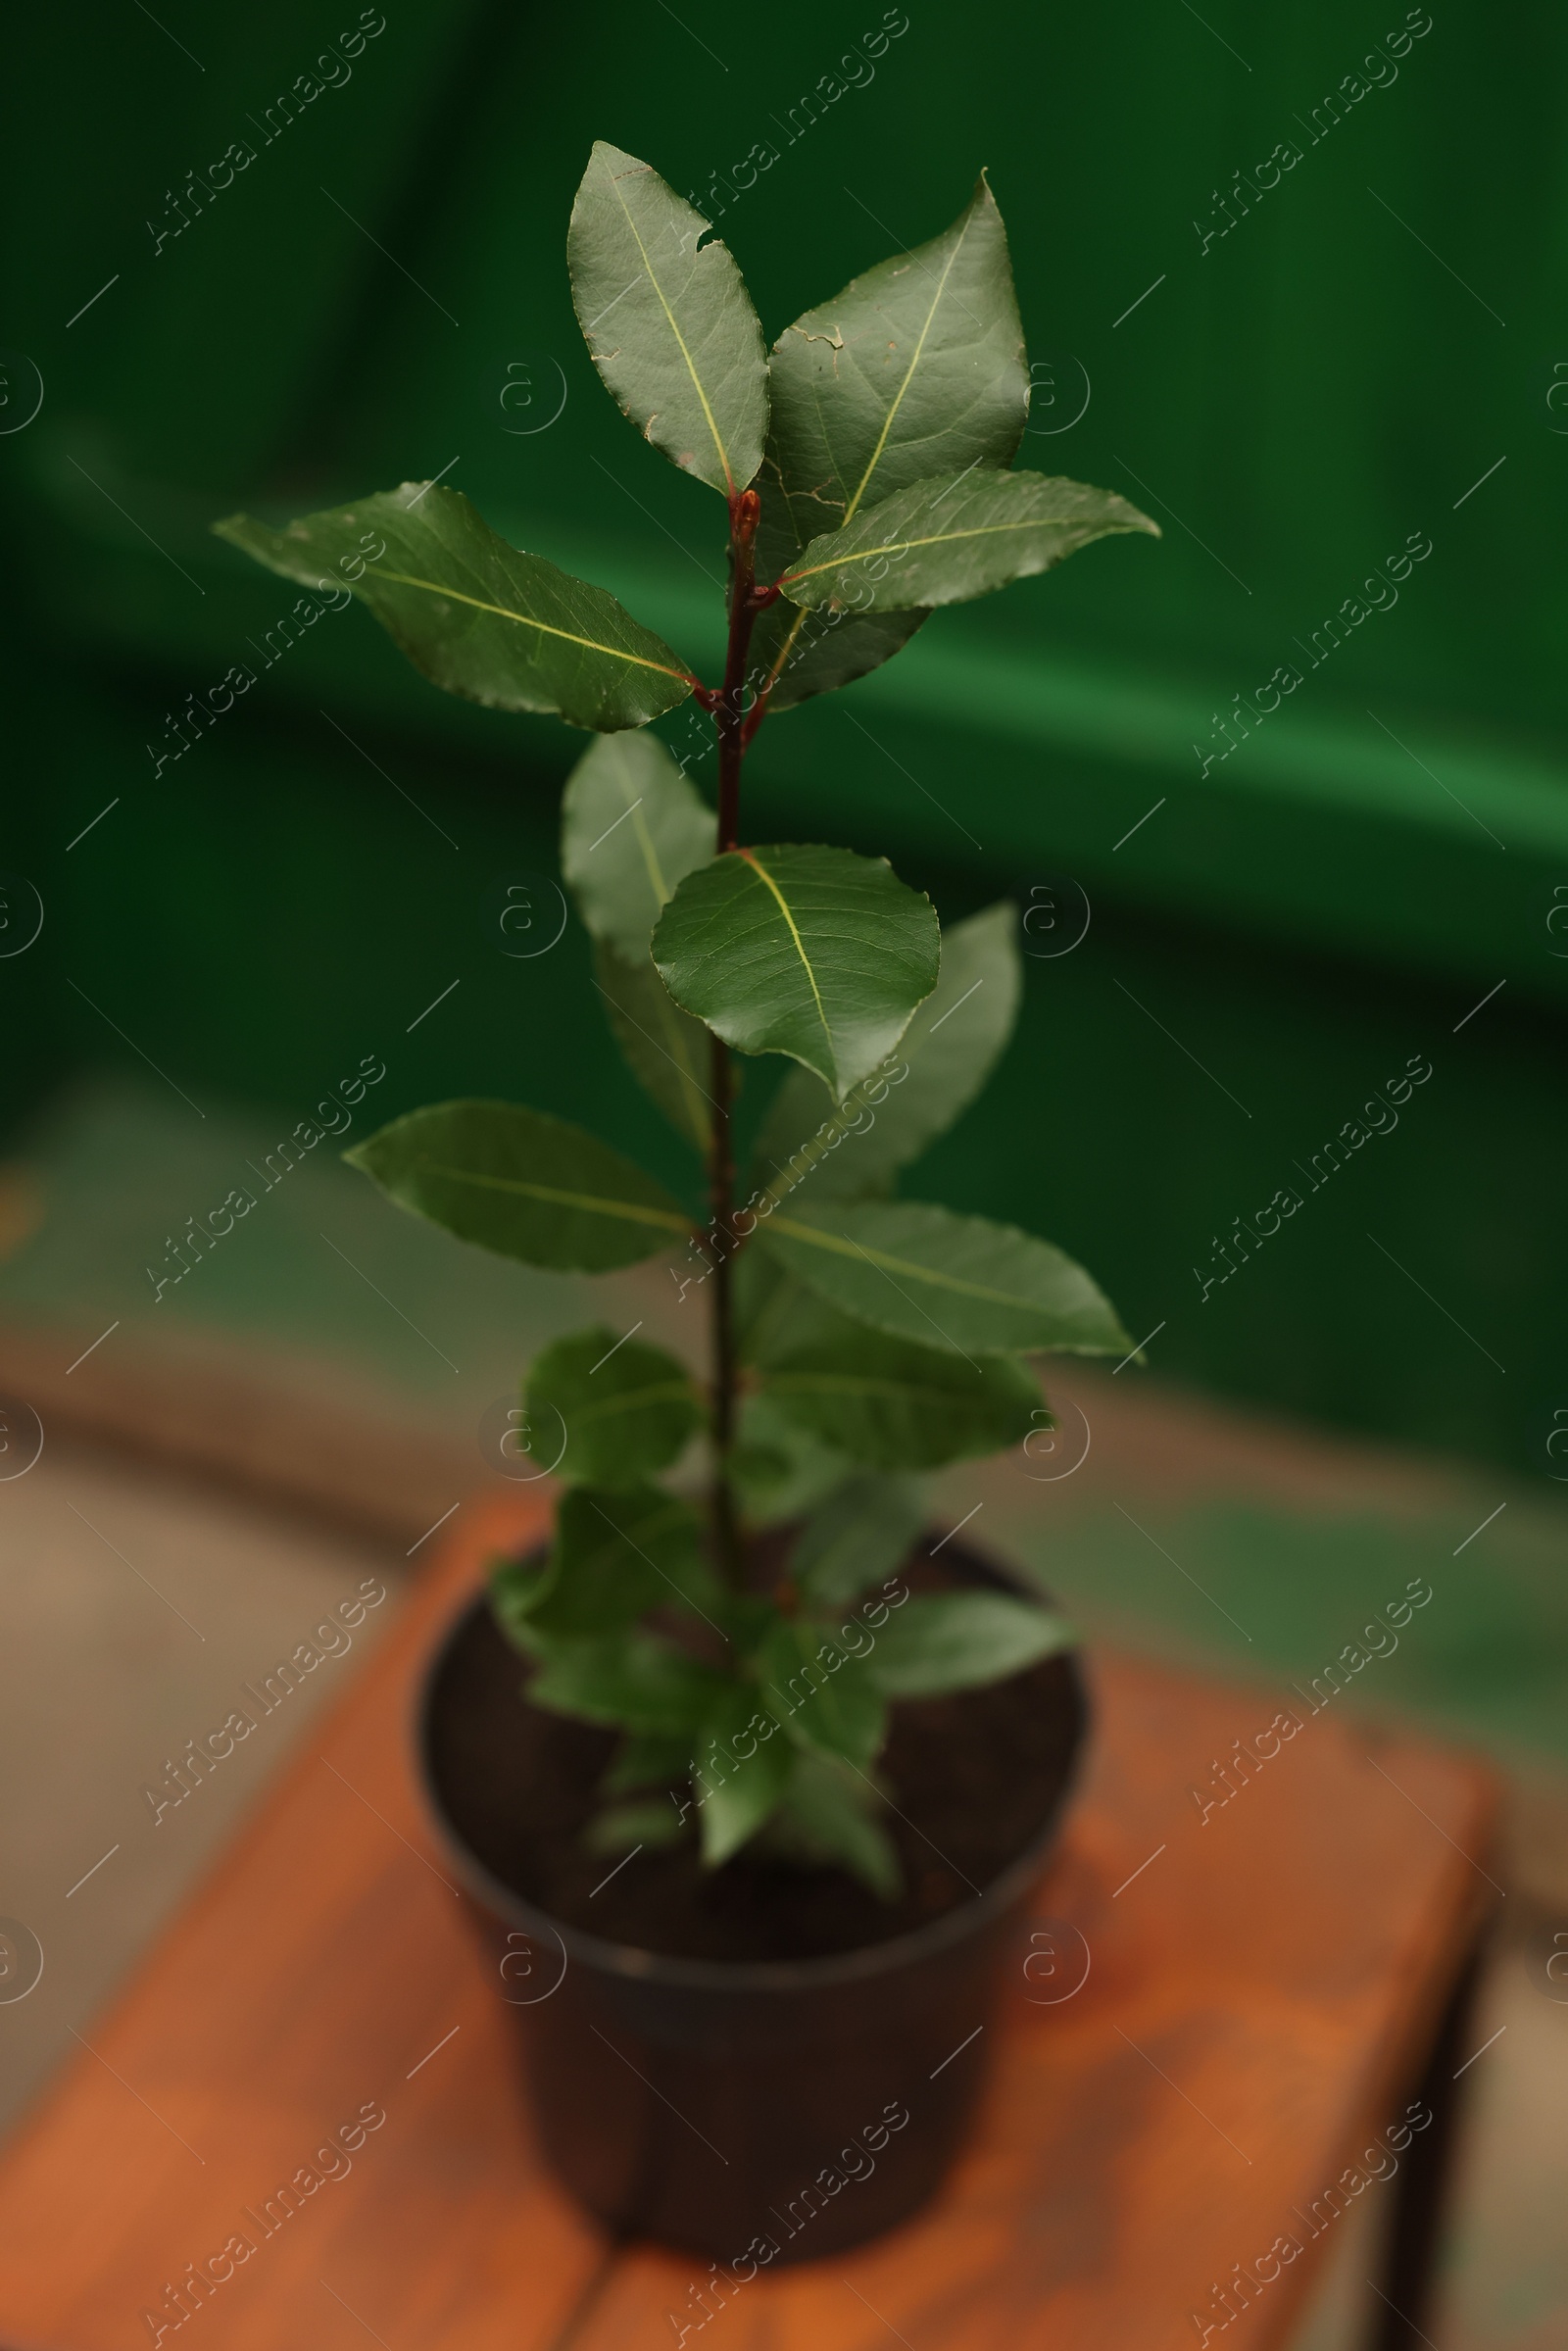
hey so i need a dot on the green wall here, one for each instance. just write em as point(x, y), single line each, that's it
point(1293, 402)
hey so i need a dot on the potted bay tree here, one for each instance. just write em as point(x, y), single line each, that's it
point(749, 1776)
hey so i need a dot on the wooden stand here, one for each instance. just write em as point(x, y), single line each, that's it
point(1166, 2155)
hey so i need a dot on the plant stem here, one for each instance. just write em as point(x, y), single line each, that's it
point(729, 717)
point(722, 1179)
point(730, 714)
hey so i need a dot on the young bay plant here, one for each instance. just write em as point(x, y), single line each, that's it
point(854, 1339)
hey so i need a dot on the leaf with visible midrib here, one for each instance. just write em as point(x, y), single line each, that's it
point(916, 367)
point(631, 828)
point(945, 1280)
point(962, 1641)
point(800, 950)
point(668, 319)
point(628, 1409)
point(522, 1184)
point(955, 537)
point(475, 615)
point(940, 1064)
point(890, 1403)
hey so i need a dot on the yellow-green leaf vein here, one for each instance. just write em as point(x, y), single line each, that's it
point(503, 612)
point(941, 538)
point(691, 370)
point(886, 1262)
point(908, 375)
point(799, 944)
point(628, 1211)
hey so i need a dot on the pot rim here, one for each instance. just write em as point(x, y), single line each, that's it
point(738, 1977)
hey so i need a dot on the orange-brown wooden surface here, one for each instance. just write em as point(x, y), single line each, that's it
point(1259, 1996)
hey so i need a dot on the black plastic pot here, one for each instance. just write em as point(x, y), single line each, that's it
point(751, 2112)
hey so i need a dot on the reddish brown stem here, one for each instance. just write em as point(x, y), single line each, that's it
point(728, 707)
point(730, 715)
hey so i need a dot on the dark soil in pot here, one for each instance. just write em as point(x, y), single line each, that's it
point(722, 2050)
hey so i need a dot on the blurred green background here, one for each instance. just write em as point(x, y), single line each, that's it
point(1371, 352)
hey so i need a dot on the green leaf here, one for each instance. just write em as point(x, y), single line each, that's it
point(475, 615)
point(630, 1827)
point(669, 1054)
point(805, 951)
point(631, 827)
point(944, 1280)
point(667, 320)
point(524, 1183)
point(948, 1051)
point(961, 1640)
point(859, 1537)
point(820, 1691)
point(628, 1409)
point(647, 1757)
point(895, 1405)
point(794, 654)
point(916, 367)
point(777, 1315)
point(629, 1681)
point(619, 1553)
point(955, 537)
point(825, 1817)
point(779, 1469)
point(740, 1766)
point(515, 1587)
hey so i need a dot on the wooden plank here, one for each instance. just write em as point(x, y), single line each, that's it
point(1257, 1997)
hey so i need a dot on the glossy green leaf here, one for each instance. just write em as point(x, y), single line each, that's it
point(961, 1640)
point(955, 537)
point(861, 1535)
point(944, 1280)
point(628, 1680)
point(916, 367)
point(805, 951)
point(649, 1824)
point(522, 1184)
point(820, 1691)
point(892, 1404)
point(940, 1063)
point(668, 319)
point(794, 654)
point(475, 615)
point(631, 827)
point(619, 1553)
point(628, 1409)
point(742, 1766)
point(669, 1054)
point(826, 1816)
